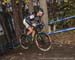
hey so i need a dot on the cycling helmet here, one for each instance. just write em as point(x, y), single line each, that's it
point(41, 10)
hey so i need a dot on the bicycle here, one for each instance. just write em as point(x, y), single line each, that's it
point(41, 39)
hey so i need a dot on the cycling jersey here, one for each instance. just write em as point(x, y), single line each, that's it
point(32, 17)
point(27, 22)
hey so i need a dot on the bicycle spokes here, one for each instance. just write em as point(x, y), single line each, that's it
point(43, 42)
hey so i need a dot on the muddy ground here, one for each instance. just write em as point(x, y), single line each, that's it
point(63, 49)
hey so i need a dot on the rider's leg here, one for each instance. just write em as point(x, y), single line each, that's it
point(28, 27)
point(33, 33)
point(30, 30)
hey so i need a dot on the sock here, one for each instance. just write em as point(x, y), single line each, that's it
point(32, 38)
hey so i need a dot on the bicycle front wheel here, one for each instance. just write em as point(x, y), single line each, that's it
point(43, 41)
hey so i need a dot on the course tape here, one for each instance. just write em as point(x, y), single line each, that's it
point(63, 30)
point(59, 20)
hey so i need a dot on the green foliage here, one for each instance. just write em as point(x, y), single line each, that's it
point(7, 1)
point(65, 9)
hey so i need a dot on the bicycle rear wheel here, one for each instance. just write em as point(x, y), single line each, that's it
point(43, 41)
point(24, 41)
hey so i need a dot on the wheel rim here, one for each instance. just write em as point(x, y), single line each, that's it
point(44, 45)
point(24, 42)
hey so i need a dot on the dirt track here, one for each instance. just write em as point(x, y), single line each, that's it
point(63, 51)
point(56, 53)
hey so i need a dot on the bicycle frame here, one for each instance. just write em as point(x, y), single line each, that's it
point(38, 38)
point(35, 28)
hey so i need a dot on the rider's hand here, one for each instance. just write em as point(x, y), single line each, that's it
point(34, 24)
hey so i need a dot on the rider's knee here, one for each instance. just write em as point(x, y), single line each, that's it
point(30, 29)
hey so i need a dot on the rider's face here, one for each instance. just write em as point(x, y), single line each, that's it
point(39, 13)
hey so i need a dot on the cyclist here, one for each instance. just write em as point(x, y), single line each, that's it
point(28, 21)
